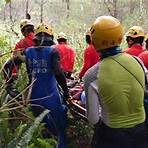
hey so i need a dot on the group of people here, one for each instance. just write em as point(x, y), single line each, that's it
point(114, 80)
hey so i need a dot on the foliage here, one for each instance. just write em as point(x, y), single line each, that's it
point(79, 133)
point(74, 22)
point(43, 143)
point(24, 141)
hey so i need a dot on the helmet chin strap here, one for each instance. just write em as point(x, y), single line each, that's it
point(42, 40)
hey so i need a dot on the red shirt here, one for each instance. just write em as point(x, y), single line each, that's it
point(135, 50)
point(67, 56)
point(144, 57)
point(22, 45)
point(91, 57)
point(25, 42)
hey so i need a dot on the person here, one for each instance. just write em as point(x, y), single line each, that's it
point(67, 54)
point(90, 84)
point(43, 67)
point(91, 57)
point(135, 38)
point(119, 91)
point(11, 67)
point(146, 42)
point(144, 55)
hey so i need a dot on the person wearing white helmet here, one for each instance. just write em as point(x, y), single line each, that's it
point(67, 54)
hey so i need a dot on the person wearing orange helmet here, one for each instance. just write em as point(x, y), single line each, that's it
point(91, 57)
point(135, 38)
point(67, 54)
point(12, 66)
point(118, 91)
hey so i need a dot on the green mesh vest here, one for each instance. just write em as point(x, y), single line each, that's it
point(121, 93)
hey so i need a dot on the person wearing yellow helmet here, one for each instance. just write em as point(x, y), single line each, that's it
point(118, 90)
point(67, 54)
point(42, 62)
point(135, 39)
point(11, 67)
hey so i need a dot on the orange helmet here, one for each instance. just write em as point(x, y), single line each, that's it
point(135, 31)
point(106, 32)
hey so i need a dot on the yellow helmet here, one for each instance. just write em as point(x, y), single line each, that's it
point(62, 35)
point(106, 32)
point(135, 31)
point(25, 22)
point(44, 28)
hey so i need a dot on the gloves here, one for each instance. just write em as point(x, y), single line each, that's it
point(13, 92)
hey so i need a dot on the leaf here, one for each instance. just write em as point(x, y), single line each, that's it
point(29, 133)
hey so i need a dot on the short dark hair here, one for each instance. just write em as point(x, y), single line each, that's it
point(44, 39)
point(28, 28)
point(61, 40)
point(138, 40)
point(88, 39)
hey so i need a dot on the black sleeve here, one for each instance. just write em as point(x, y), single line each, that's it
point(9, 66)
point(59, 74)
point(7, 71)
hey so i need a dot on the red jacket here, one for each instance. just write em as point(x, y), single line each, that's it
point(135, 50)
point(144, 57)
point(25, 42)
point(91, 57)
point(22, 45)
point(67, 56)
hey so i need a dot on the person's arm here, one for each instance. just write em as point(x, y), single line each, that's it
point(59, 74)
point(9, 66)
point(86, 64)
point(72, 60)
point(92, 104)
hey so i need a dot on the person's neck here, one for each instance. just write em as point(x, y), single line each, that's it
point(110, 52)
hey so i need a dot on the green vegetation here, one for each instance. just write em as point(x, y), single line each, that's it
point(15, 123)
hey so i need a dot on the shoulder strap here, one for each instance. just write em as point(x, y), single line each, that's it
point(128, 71)
point(146, 81)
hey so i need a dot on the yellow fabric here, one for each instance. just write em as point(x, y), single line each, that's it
point(121, 94)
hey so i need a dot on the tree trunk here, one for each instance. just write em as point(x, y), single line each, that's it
point(27, 8)
point(68, 4)
point(42, 4)
point(10, 11)
point(115, 8)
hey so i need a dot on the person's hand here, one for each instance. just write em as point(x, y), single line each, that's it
point(13, 92)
